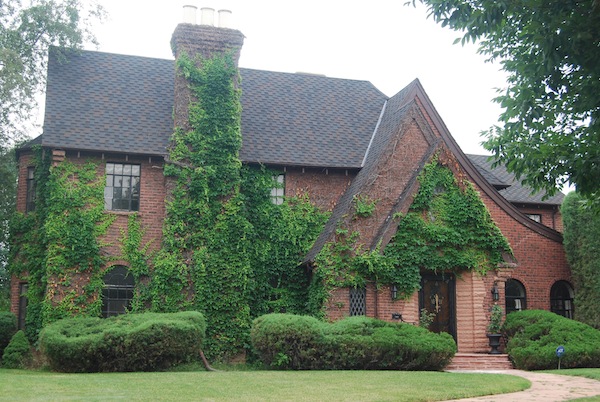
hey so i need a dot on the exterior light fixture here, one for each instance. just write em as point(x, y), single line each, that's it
point(495, 292)
point(394, 292)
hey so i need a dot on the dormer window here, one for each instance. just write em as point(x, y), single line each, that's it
point(535, 217)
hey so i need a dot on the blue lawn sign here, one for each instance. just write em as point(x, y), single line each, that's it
point(560, 351)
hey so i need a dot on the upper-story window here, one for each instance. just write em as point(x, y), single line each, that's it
point(30, 197)
point(535, 217)
point(278, 191)
point(122, 191)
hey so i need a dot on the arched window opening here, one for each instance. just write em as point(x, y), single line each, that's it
point(516, 298)
point(117, 292)
point(561, 299)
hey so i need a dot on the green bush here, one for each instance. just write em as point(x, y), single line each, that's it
point(18, 352)
point(357, 343)
point(130, 342)
point(8, 327)
point(534, 335)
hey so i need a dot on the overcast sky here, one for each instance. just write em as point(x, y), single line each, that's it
point(381, 41)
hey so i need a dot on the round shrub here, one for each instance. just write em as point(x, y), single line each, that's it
point(534, 335)
point(287, 341)
point(18, 352)
point(298, 342)
point(8, 327)
point(130, 342)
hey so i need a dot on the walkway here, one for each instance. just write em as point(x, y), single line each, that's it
point(544, 388)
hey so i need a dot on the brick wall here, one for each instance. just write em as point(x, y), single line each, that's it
point(324, 187)
point(151, 212)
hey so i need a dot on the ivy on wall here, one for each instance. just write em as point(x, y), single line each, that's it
point(447, 229)
point(227, 250)
point(57, 246)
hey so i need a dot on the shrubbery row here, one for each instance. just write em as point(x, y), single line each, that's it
point(534, 335)
point(287, 341)
point(129, 342)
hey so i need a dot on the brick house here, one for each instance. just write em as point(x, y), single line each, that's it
point(333, 139)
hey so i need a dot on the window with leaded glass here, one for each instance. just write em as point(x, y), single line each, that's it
point(122, 190)
point(30, 197)
point(515, 296)
point(117, 292)
point(278, 191)
point(561, 299)
point(358, 301)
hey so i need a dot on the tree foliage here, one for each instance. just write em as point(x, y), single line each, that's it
point(8, 188)
point(26, 32)
point(551, 52)
point(582, 245)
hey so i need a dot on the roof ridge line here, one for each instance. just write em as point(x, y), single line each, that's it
point(362, 164)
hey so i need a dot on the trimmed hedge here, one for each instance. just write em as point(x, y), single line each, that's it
point(294, 342)
point(129, 342)
point(8, 327)
point(18, 352)
point(534, 335)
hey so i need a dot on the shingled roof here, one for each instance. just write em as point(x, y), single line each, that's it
point(116, 103)
point(509, 187)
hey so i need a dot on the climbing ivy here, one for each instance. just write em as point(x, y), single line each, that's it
point(57, 246)
point(227, 250)
point(447, 229)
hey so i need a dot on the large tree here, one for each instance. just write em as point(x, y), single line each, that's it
point(550, 125)
point(26, 32)
point(582, 245)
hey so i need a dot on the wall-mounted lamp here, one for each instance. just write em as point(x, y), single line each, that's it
point(394, 292)
point(495, 292)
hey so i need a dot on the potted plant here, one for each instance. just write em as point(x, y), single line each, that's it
point(494, 327)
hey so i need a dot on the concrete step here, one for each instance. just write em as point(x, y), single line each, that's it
point(479, 361)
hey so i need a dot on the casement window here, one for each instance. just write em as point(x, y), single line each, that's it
point(117, 292)
point(516, 298)
point(22, 313)
point(278, 191)
point(561, 299)
point(535, 217)
point(30, 197)
point(122, 191)
point(358, 301)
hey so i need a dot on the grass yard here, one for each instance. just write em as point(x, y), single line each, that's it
point(22, 385)
point(593, 373)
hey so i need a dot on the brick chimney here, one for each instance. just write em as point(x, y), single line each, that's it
point(205, 39)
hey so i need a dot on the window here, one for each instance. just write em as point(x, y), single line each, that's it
point(516, 299)
point(23, 287)
point(278, 192)
point(30, 197)
point(117, 292)
point(122, 191)
point(561, 299)
point(358, 301)
point(535, 217)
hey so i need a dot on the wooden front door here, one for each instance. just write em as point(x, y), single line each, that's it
point(437, 296)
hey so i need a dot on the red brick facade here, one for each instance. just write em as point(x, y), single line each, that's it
point(390, 180)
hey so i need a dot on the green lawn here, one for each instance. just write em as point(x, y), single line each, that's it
point(18, 385)
point(593, 373)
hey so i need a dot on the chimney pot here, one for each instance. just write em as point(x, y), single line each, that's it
point(207, 16)
point(189, 14)
point(225, 18)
